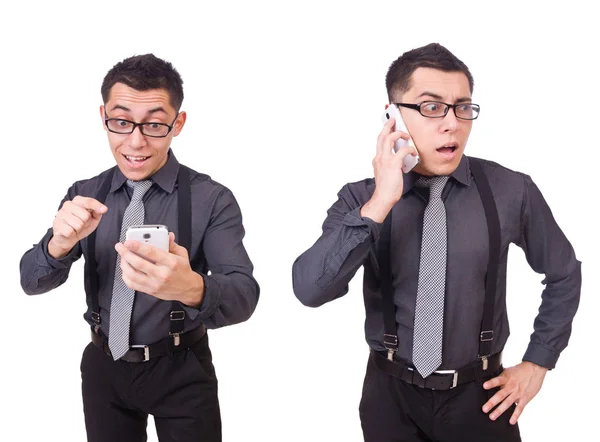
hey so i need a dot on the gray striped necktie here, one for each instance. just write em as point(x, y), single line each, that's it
point(122, 297)
point(429, 310)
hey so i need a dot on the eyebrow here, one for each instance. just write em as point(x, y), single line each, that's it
point(150, 111)
point(439, 97)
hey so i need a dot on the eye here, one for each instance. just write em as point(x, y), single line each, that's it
point(430, 107)
point(122, 123)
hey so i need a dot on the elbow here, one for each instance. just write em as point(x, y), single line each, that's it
point(30, 289)
point(306, 290)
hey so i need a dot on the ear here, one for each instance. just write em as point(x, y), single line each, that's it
point(179, 123)
point(387, 105)
point(102, 115)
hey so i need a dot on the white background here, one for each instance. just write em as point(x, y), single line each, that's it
point(284, 102)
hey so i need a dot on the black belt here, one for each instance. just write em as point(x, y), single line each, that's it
point(442, 379)
point(141, 353)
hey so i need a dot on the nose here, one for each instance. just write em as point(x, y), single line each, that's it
point(450, 122)
point(136, 139)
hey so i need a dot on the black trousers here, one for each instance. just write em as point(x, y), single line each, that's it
point(392, 410)
point(179, 390)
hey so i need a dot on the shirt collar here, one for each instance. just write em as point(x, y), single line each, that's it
point(462, 174)
point(165, 177)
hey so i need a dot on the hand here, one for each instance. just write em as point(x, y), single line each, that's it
point(166, 275)
point(518, 385)
point(389, 178)
point(74, 221)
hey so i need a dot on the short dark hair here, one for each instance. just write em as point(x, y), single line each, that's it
point(434, 55)
point(143, 73)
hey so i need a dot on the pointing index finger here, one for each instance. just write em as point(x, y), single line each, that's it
point(90, 204)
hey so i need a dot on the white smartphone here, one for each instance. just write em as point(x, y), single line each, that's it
point(409, 161)
point(156, 235)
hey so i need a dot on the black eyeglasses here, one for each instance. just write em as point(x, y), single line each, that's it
point(125, 127)
point(438, 109)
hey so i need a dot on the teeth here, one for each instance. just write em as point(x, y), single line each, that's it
point(135, 158)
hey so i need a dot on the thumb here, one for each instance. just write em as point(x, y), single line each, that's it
point(175, 248)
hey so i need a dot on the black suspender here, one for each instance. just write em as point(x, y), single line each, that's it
point(491, 280)
point(184, 219)
point(390, 338)
point(90, 261)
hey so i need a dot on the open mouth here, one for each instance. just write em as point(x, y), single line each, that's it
point(448, 148)
point(135, 160)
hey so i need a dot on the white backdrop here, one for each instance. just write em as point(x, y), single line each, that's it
point(284, 102)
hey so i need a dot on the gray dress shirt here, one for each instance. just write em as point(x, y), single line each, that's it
point(231, 291)
point(322, 273)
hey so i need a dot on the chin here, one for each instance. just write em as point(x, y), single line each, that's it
point(439, 169)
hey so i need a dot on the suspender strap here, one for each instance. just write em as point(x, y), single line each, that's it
point(184, 220)
point(390, 338)
point(90, 262)
point(493, 223)
point(486, 335)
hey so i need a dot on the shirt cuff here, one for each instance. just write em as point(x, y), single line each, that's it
point(209, 302)
point(353, 219)
point(541, 355)
point(48, 261)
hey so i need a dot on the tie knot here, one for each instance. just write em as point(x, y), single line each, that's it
point(436, 185)
point(139, 188)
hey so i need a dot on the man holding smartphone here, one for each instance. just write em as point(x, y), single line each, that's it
point(148, 308)
point(434, 244)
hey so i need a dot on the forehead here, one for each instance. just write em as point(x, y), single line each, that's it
point(138, 101)
point(450, 85)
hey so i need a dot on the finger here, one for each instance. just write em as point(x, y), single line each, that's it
point(388, 128)
point(495, 382)
point(74, 221)
point(402, 153)
point(504, 405)
point(175, 248)
point(64, 228)
point(148, 251)
point(83, 214)
point(90, 204)
point(386, 146)
point(517, 413)
point(138, 263)
point(495, 400)
point(132, 279)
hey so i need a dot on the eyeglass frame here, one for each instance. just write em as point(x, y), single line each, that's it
point(448, 106)
point(170, 126)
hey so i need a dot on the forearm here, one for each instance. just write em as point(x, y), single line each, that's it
point(323, 272)
point(40, 272)
point(227, 299)
point(552, 326)
point(549, 252)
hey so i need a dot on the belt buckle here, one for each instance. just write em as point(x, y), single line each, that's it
point(146, 351)
point(454, 377)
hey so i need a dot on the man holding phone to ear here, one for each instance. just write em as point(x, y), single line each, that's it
point(434, 244)
point(148, 308)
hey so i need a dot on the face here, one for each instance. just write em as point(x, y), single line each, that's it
point(440, 141)
point(139, 156)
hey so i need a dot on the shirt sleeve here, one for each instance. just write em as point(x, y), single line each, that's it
point(40, 272)
point(230, 291)
point(549, 252)
point(323, 272)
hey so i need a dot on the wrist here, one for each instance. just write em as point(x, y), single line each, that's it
point(535, 367)
point(195, 294)
point(377, 209)
point(56, 251)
